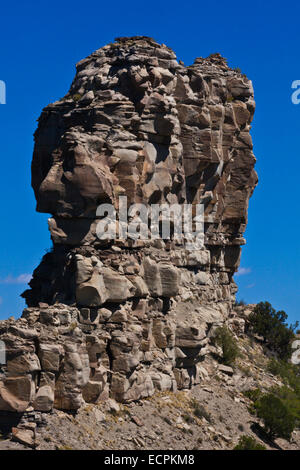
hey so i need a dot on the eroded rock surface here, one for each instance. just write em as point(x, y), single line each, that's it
point(126, 317)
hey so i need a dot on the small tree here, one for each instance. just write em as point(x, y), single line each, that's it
point(271, 325)
point(230, 350)
point(289, 373)
point(278, 421)
point(248, 443)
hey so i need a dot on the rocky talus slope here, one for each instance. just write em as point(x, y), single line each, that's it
point(128, 318)
point(212, 415)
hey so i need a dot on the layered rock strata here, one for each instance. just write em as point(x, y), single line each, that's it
point(124, 317)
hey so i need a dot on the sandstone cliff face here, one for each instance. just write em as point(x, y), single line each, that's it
point(126, 317)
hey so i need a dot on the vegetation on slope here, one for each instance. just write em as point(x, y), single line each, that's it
point(280, 408)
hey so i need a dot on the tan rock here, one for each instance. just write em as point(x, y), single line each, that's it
point(118, 287)
point(44, 399)
point(24, 436)
point(16, 393)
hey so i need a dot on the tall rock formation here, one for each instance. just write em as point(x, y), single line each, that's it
point(125, 317)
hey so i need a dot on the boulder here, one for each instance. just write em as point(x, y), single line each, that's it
point(226, 369)
point(92, 293)
point(117, 286)
point(16, 393)
point(23, 436)
point(44, 398)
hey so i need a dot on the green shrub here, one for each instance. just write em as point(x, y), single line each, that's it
point(200, 411)
point(188, 418)
point(248, 443)
point(290, 400)
point(278, 421)
point(76, 97)
point(290, 393)
point(271, 325)
point(289, 373)
point(287, 397)
point(254, 394)
point(230, 350)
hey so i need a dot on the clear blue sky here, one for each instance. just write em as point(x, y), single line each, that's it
point(42, 41)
